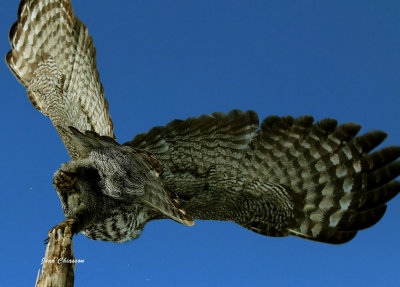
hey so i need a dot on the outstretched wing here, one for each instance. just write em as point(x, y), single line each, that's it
point(289, 176)
point(53, 56)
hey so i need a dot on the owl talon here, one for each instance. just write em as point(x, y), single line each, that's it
point(64, 180)
point(67, 227)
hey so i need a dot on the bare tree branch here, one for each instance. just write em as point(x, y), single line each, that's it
point(59, 262)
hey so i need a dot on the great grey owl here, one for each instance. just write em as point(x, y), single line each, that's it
point(284, 177)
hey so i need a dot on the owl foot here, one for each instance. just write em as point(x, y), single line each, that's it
point(64, 180)
point(67, 228)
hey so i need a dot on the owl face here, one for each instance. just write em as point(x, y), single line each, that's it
point(79, 185)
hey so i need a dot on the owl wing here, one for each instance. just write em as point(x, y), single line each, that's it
point(53, 56)
point(286, 177)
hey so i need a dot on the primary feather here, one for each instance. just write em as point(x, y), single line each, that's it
point(287, 176)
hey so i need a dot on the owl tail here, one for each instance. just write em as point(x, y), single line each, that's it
point(336, 185)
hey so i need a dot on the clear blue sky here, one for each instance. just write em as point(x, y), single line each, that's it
point(160, 60)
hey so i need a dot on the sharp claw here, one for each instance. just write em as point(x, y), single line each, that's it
point(64, 180)
point(67, 226)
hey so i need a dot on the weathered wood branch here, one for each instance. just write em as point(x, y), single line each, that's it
point(59, 262)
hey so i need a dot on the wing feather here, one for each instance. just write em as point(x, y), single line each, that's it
point(288, 176)
point(53, 56)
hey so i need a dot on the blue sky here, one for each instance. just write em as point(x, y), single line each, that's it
point(160, 60)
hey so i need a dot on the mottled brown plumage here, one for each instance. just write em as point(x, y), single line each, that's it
point(53, 56)
point(284, 177)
